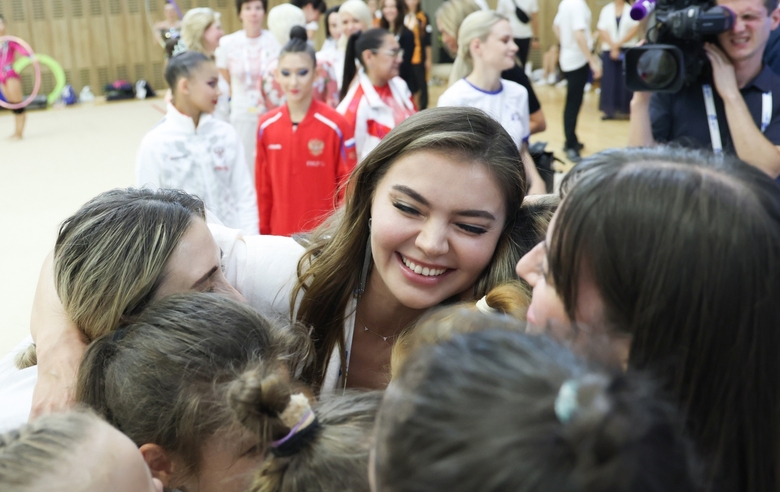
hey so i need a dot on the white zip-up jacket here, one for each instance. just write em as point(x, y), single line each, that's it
point(207, 161)
point(371, 117)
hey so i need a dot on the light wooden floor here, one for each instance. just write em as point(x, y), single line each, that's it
point(71, 155)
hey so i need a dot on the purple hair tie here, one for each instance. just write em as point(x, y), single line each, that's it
point(304, 420)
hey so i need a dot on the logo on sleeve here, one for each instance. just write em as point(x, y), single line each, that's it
point(316, 147)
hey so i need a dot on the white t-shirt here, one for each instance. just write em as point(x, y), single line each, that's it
point(507, 9)
point(608, 22)
point(508, 105)
point(207, 161)
point(246, 59)
point(573, 15)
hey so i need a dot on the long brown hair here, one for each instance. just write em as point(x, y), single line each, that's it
point(685, 252)
point(329, 270)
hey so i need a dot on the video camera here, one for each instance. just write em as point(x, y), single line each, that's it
point(674, 54)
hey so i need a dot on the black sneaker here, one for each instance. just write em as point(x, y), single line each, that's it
point(572, 154)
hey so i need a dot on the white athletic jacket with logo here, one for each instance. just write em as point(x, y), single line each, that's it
point(207, 161)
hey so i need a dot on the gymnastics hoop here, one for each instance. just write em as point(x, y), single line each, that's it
point(56, 70)
point(34, 60)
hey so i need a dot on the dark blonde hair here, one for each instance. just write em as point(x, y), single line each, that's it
point(329, 271)
point(332, 455)
point(498, 410)
point(110, 256)
point(164, 378)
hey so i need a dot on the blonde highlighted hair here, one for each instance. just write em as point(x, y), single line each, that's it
point(110, 256)
point(476, 26)
point(194, 24)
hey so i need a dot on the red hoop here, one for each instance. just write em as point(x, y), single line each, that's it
point(35, 64)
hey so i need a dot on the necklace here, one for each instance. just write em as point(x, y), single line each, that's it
point(385, 338)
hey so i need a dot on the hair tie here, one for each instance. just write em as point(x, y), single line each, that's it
point(566, 402)
point(302, 429)
point(484, 307)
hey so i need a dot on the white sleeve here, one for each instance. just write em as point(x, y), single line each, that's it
point(446, 98)
point(579, 16)
point(220, 56)
point(603, 24)
point(526, 118)
point(262, 268)
point(243, 190)
point(533, 7)
point(504, 8)
point(147, 169)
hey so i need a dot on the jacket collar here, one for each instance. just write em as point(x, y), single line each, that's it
point(183, 122)
point(373, 98)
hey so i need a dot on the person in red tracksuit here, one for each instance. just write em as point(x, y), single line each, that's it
point(305, 149)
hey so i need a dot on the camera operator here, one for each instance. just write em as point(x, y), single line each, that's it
point(746, 99)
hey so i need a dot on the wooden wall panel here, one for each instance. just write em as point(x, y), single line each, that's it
point(98, 41)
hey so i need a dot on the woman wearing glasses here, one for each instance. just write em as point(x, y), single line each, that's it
point(379, 99)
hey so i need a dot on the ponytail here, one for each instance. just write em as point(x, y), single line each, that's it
point(317, 449)
point(357, 44)
point(476, 26)
point(500, 410)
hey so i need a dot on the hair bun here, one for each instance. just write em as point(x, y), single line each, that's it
point(298, 32)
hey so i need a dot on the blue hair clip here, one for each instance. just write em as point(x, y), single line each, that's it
point(566, 401)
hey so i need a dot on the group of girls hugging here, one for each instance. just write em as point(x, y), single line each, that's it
point(442, 329)
point(439, 331)
point(273, 157)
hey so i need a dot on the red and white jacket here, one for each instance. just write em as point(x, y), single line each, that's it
point(371, 118)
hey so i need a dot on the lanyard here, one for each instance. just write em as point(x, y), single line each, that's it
point(712, 117)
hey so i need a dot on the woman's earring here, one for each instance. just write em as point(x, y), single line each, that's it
point(367, 259)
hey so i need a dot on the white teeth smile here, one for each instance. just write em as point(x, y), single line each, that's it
point(424, 271)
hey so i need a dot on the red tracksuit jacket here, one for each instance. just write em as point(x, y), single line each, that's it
point(297, 173)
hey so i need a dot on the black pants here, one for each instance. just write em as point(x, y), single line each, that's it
point(576, 80)
point(524, 45)
point(418, 71)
